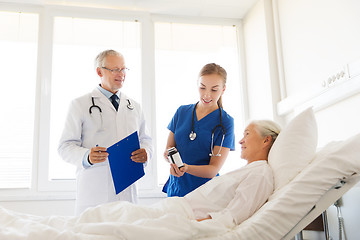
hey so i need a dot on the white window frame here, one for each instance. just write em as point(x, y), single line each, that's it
point(41, 187)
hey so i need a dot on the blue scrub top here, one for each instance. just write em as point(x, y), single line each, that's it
point(196, 152)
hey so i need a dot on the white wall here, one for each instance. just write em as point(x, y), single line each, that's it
point(318, 38)
point(315, 40)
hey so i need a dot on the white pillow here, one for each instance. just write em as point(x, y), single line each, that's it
point(294, 148)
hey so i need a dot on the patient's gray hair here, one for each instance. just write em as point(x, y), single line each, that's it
point(101, 57)
point(267, 128)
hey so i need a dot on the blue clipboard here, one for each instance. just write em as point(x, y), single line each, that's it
point(123, 170)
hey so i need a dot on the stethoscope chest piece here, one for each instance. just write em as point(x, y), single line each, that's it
point(130, 106)
point(192, 135)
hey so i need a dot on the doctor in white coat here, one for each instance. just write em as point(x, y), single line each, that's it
point(93, 123)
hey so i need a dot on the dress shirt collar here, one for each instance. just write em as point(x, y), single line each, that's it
point(107, 93)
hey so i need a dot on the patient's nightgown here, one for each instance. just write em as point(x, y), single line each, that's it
point(235, 196)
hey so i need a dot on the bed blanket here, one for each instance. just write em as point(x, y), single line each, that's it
point(171, 218)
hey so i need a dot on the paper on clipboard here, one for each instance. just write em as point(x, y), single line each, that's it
point(123, 170)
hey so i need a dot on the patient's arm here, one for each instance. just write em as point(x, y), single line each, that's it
point(250, 195)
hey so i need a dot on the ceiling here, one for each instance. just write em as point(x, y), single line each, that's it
point(196, 8)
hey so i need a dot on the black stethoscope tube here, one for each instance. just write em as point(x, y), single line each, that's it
point(94, 106)
point(192, 135)
point(129, 106)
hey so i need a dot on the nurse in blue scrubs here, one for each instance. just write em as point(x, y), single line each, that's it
point(203, 134)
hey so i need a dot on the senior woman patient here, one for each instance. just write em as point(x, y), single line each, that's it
point(222, 202)
point(235, 196)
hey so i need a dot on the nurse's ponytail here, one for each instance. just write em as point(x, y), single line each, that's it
point(213, 68)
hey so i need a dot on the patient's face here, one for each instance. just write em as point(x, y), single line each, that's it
point(251, 144)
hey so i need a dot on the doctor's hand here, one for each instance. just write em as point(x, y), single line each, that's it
point(178, 172)
point(139, 156)
point(97, 155)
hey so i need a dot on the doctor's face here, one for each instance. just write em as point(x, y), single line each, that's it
point(113, 73)
point(211, 88)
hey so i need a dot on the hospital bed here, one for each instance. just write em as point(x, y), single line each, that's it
point(307, 181)
point(331, 196)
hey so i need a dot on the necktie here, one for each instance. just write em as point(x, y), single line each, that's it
point(114, 99)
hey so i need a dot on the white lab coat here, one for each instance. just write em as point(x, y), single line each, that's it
point(83, 131)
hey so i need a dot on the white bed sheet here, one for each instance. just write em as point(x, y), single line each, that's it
point(172, 218)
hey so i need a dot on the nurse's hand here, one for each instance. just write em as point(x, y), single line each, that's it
point(97, 155)
point(139, 155)
point(166, 154)
point(178, 172)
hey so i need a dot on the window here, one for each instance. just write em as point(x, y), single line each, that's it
point(76, 43)
point(18, 47)
point(181, 51)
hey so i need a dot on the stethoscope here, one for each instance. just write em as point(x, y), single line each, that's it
point(192, 134)
point(129, 106)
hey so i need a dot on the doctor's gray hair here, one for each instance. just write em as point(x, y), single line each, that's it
point(267, 128)
point(101, 57)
